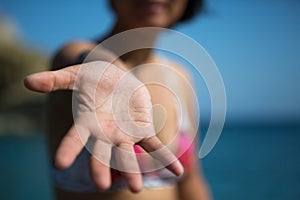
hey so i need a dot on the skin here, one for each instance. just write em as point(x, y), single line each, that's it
point(109, 134)
point(66, 141)
point(156, 13)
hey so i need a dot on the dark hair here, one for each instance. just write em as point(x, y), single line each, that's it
point(193, 8)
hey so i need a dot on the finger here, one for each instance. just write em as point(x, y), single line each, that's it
point(160, 152)
point(70, 146)
point(100, 164)
point(49, 81)
point(126, 162)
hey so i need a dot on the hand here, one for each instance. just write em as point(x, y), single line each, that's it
point(112, 109)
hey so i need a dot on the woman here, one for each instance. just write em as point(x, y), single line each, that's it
point(90, 179)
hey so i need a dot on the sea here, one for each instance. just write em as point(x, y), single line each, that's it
point(248, 162)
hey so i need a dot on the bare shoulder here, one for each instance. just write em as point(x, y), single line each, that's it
point(182, 75)
point(69, 53)
point(178, 68)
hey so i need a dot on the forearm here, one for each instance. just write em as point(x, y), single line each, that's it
point(193, 185)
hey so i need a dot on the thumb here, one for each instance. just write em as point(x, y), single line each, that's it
point(49, 81)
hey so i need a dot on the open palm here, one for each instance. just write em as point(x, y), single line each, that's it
point(112, 111)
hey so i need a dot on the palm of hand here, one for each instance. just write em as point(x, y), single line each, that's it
point(112, 108)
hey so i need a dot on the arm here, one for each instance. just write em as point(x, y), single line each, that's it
point(193, 185)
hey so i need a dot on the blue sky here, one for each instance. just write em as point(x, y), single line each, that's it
point(255, 44)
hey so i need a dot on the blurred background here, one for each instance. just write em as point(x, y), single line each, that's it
point(256, 46)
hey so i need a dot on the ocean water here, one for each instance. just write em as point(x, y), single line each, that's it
point(247, 163)
point(255, 163)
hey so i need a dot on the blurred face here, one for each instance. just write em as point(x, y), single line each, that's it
point(143, 13)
